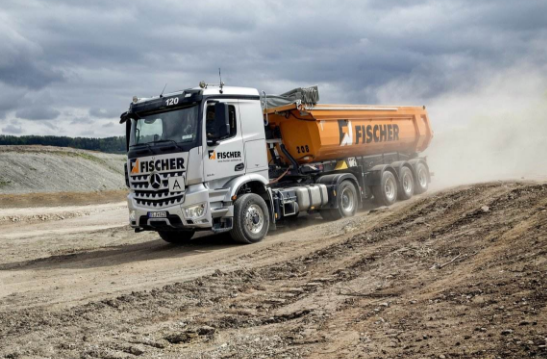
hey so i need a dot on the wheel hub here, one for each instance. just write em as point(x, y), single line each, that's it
point(422, 178)
point(254, 219)
point(347, 201)
point(389, 189)
point(407, 183)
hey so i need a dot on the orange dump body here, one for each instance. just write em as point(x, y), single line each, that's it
point(331, 132)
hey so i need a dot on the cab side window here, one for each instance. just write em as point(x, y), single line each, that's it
point(210, 116)
point(232, 116)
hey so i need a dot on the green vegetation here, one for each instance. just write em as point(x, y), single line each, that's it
point(89, 157)
point(102, 162)
point(107, 144)
point(4, 183)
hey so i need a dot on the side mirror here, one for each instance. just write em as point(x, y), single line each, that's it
point(219, 127)
point(124, 117)
point(127, 135)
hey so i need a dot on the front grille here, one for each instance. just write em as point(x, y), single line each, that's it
point(146, 195)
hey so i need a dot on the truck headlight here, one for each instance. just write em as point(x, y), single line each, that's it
point(194, 211)
point(132, 216)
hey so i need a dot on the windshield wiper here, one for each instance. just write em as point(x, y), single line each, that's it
point(174, 142)
point(148, 147)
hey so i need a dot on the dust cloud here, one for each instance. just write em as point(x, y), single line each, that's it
point(497, 131)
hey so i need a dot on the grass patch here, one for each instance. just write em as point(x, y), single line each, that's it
point(4, 183)
point(89, 157)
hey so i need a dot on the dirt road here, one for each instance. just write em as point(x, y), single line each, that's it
point(88, 252)
point(461, 273)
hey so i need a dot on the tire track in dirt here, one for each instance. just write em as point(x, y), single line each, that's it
point(462, 273)
point(95, 264)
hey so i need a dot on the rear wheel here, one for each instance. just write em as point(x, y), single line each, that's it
point(422, 178)
point(177, 237)
point(385, 194)
point(251, 219)
point(406, 184)
point(347, 202)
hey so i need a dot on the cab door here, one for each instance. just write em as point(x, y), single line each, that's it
point(226, 159)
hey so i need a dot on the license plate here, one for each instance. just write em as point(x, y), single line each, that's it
point(157, 214)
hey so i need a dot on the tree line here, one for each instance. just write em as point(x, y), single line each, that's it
point(115, 144)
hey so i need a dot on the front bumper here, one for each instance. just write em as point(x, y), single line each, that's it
point(213, 218)
point(175, 219)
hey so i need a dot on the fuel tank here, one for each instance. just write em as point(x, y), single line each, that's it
point(330, 132)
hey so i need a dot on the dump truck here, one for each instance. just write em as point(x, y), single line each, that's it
point(231, 159)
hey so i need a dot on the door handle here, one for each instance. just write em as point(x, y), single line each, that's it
point(240, 167)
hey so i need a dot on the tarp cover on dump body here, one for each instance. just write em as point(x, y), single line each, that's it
point(306, 95)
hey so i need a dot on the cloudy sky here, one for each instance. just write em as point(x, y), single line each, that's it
point(71, 67)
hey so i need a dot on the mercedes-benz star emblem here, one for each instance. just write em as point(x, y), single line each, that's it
point(154, 180)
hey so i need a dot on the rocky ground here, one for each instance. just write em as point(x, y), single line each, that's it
point(31, 169)
point(456, 274)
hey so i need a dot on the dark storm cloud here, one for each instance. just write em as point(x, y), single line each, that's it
point(37, 113)
point(51, 126)
point(29, 75)
point(108, 125)
point(96, 55)
point(81, 121)
point(20, 62)
point(9, 99)
point(103, 113)
point(14, 128)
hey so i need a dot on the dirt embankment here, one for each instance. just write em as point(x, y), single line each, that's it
point(61, 199)
point(457, 274)
point(38, 169)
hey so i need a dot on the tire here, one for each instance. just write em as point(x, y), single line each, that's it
point(346, 200)
point(422, 178)
point(406, 184)
point(177, 237)
point(251, 219)
point(386, 193)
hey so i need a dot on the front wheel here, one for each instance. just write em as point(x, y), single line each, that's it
point(176, 237)
point(251, 219)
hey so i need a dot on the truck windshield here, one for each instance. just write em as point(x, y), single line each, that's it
point(180, 126)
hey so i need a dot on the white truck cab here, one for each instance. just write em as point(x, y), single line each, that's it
point(189, 155)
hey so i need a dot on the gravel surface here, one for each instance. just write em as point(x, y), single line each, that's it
point(32, 169)
point(460, 273)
